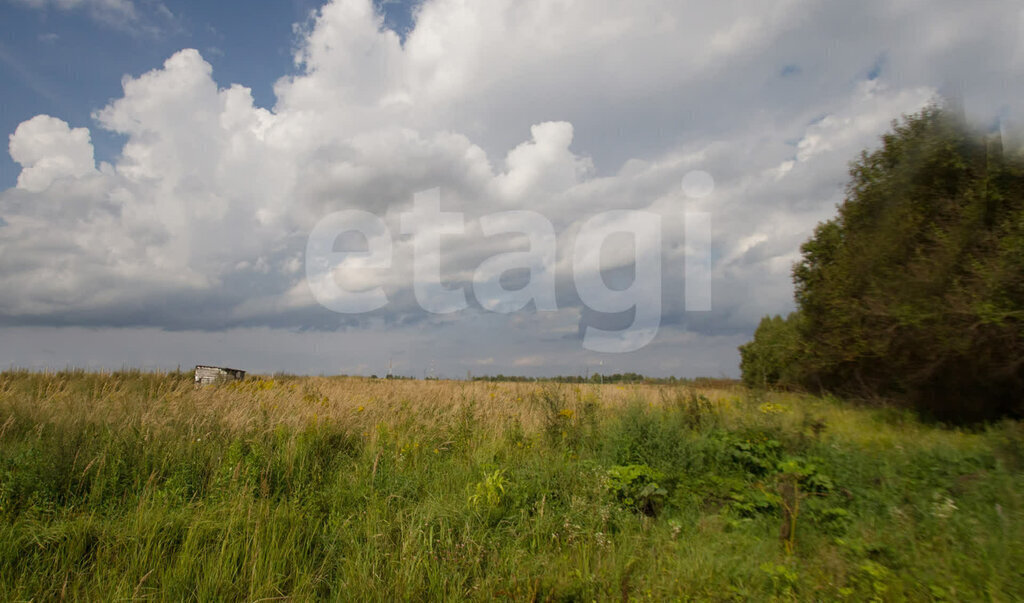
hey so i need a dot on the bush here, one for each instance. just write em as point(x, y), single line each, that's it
point(636, 487)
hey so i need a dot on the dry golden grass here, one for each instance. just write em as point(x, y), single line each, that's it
point(361, 403)
point(160, 401)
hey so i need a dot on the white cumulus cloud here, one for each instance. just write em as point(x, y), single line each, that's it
point(48, 149)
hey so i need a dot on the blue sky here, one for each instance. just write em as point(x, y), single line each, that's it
point(69, 62)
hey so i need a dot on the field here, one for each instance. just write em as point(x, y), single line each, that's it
point(139, 486)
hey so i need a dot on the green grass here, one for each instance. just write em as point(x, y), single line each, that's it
point(138, 486)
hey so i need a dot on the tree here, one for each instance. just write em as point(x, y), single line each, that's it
point(771, 359)
point(915, 291)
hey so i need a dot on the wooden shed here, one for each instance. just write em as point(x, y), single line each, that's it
point(216, 374)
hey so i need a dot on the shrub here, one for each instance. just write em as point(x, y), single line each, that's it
point(636, 487)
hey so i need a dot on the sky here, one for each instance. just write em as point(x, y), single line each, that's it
point(171, 164)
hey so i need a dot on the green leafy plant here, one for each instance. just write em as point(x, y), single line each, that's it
point(636, 487)
point(810, 478)
point(488, 493)
point(757, 454)
point(783, 578)
point(832, 520)
point(871, 579)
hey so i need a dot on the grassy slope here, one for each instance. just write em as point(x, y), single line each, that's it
point(138, 485)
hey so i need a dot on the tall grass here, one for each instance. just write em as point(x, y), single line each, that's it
point(140, 486)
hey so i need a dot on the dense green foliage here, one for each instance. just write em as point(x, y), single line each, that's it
point(915, 291)
point(772, 358)
point(140, 487)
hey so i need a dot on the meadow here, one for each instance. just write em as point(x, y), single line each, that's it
point(139, 486)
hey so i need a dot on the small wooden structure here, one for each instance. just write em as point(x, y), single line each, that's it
point(216, 374)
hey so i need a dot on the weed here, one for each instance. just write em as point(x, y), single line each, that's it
point(488, 493)
point(636, 487)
